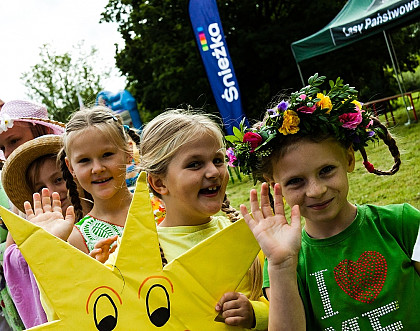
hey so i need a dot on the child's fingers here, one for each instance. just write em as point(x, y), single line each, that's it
point(37, 204)
point(70, 214)
point(94, 252)
point(228, 296)
point(28, 210)
point(295, 218)
point(255, 206)
point(113, 248)
point(234, 320)
point(56, 202)
point(46, 200)
point(248, 218)
point(265, 201)
point(278, 200)
point(106, 242)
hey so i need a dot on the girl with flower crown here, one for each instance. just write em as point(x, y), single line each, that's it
point(355, 264)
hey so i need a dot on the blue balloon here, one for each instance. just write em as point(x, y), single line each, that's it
point(121, 102)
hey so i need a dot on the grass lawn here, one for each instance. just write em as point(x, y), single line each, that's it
point(404, 186)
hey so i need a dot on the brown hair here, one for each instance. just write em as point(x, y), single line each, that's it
point(162, 137)
point(40, 130)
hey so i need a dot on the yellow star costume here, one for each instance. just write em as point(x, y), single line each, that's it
point(137, 294)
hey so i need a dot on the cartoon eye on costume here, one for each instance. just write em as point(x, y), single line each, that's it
point(104, 306)
point(159, 316)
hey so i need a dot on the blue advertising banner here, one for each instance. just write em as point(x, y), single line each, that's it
point(205, 21)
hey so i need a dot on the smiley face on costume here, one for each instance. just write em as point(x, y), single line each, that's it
point(137, 292)
point(104, 303)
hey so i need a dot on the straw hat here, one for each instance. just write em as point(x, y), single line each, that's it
point(13, 176)
point(26, 111)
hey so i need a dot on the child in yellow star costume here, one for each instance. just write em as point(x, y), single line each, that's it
point(137, 293)
point(183, 154)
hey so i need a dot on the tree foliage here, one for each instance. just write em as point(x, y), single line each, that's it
point(58, 78)
point(164, 69)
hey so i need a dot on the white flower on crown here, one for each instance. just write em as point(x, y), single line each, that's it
point(6, 122)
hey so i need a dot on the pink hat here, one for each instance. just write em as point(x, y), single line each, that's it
point(26, 111)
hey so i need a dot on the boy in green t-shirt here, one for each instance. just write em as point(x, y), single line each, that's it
point(353, 263)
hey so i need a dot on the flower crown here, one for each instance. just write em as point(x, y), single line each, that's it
point(308, 112)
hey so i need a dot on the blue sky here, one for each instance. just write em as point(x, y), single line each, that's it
point(25, 25)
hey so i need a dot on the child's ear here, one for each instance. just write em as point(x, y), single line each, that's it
point(68, 164)
point(350, 159)
point(157, 183)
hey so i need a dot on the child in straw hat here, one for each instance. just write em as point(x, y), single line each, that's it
point(31, 167)
point(20, 121)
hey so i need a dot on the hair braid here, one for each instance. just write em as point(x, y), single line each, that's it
point(386, 137)
point(71, 186)
point(162, 256)
point(230, 212)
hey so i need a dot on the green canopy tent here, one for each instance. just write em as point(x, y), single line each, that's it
point(357, 20)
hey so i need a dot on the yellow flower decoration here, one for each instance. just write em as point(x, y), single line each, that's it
point(325, 102)
point(290, 123)
point(357, 103)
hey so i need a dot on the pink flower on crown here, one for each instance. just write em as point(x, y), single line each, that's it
point(253, 139)
point(306, 109)
point(351, 120)
point(231, 156)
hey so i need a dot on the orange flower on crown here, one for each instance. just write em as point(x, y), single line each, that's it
point(325, 102)
point(290, 123)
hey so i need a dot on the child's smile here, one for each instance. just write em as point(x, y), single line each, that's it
point(321, 205)
point(210, 191)
point(195, 182)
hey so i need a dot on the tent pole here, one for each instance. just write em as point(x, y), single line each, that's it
point(300, 74)
point(396, 76)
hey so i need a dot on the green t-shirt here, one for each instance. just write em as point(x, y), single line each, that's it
point(362, 278)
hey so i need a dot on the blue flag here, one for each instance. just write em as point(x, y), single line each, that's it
point(211, 43)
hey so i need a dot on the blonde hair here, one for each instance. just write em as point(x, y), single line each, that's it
point(99, 117)
point(162, 137)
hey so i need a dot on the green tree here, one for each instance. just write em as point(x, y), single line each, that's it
point(57, 80)
point(160, 59)
point(164, 69)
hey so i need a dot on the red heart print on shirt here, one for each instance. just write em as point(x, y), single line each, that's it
point(362, 280)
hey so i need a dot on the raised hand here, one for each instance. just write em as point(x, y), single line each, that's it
point(236, 309)
point(279, 240)
point(48, 214)
point(103, 249)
